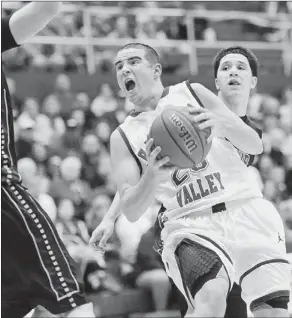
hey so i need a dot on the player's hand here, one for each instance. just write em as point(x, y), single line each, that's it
point(204, 118)
point(153, 156)
point(101, 235)
point(154, 159)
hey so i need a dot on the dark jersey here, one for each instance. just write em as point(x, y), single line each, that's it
point(8, 156)
point(247, 158)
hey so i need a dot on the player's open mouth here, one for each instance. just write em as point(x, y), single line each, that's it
point(233, 82)
point(130, 85)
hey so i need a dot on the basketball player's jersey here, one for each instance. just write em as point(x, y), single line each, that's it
point(222, 177)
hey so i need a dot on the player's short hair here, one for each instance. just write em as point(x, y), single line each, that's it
point(150, 54)
point(252, 59)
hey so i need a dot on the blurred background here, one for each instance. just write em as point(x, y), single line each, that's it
point(67, 103)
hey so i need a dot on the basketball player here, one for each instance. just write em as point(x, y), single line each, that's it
point(236, 307)
point(36, 267)
point(217, 228)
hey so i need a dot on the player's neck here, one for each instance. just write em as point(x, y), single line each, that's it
point(151, 102)
point(238, 104)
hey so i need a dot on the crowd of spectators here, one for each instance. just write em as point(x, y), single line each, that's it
point(144, 25)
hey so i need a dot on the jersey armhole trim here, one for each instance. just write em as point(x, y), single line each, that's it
point(194, 94)
point(122, 133)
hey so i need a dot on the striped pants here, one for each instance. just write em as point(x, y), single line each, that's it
point(36, 267)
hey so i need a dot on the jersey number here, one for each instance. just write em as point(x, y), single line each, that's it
point(178, 178)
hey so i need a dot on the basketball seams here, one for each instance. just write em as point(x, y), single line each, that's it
point(174, 140)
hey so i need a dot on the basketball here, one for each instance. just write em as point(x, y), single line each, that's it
point(179, 138)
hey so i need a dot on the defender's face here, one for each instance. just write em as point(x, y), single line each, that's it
point(135, 75)
point(234, 75)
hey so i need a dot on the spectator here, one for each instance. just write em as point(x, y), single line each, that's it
point(91, 150)
point(105, 105)
point(175, 28)
point(24, 144)
point(83, 103)
point(288, 176)
point(285, 208)
point(37, 186)
point(121, 30)
point(64, 95)
point(270, 106)
point(277, 137)
point(100, 205)
point(70, 186)
point(254, 104)
point(53, 170)
point(286, 111)
point(148, 28)
point(30, 112)
point(40, 154)
point(270, 192)
point(209, 34)
point(52, 125)
point(75, 236)
point(103, 132)
point(79, 117)
point(277, 176)
point(270, 122)
point(70, 142)
point(104, 170)
point(265, 165)
point(152, 275)
point(15, 100)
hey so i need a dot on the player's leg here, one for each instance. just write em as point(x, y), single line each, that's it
point(262, 264)
point(204, 279)
point(236, 306)
point(14, 264)
point(50, 271)
point(276, 307)
point(273, 300)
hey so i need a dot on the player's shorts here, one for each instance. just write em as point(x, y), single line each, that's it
point(248, 238)
point(36, 267)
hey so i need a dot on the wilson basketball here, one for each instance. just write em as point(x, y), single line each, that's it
point(179, 138)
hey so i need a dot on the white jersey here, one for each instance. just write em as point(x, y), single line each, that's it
point(222, 177)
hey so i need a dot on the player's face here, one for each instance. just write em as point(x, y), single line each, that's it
point(135, 75)
point(234, 76)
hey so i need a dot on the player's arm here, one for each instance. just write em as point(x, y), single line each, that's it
point(106, 227)
point(227, 124)
point(114, 210)
point(136, 192)
point(31, 18)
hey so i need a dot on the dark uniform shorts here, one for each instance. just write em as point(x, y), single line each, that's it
point(36, 267)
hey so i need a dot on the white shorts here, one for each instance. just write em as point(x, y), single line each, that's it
point(248, 238)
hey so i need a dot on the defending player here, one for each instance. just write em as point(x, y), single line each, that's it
point(36, 267)
point(217, 228)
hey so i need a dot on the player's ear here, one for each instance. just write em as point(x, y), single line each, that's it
point(217, 85)
point(157, 71)
point(254, 82)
